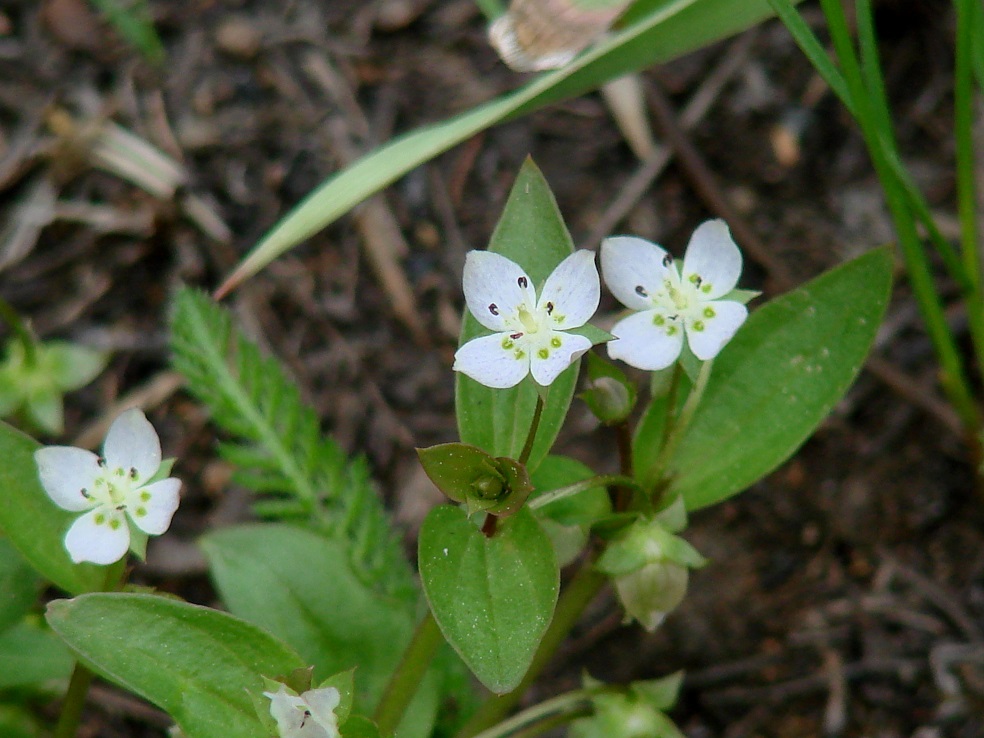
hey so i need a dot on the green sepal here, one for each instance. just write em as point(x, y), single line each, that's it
point(644, 543)
point(742, 296)
point(593, 333)
point(344, 682)
point(469, 475)
point(358, 726)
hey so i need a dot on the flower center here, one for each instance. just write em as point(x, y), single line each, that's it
point(112, 487)
point(530, 323)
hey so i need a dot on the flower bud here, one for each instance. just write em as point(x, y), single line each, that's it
point(649, 594)
point(609, 400)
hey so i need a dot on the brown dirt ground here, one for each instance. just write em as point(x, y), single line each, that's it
point(845, 596)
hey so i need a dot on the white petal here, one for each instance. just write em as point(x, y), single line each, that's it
point(546, 369)
point(643, 344)
point(574, 289)
point(714, 257)
point(323, 703)
point(486, 361)
point(718, 330)
point(493, 287)
point(132, 442)
point(100, 536)
point(152, 507)
point(633, 269)
point(287, 709)
point(65, 471)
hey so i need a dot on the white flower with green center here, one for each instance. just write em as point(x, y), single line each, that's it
point(309, 715)
point(531, 334)
point(671, 302)
point(110, 489)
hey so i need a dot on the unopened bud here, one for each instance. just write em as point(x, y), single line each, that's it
point(649, 594)
point(609, 399)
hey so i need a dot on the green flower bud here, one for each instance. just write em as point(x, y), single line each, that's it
point(649, 594)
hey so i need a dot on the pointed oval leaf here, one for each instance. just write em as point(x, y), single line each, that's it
point(33, 523)
point(198, 665)
point(493, 598)
point(531, 232)
point(779, 378)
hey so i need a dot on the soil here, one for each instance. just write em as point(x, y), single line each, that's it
point(846, 591)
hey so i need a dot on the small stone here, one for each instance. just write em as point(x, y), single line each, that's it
point(238, 37)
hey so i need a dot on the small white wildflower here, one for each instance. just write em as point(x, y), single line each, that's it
point(669, 303)
point(110, 489)
point(531, 335)
point(310, 715)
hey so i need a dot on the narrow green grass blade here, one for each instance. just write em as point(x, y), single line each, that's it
point(659, 30)
point(133, 22)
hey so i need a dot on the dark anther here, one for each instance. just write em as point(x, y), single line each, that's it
point(101, 461)
point(697, 281)
point(307, 714)
point(641, 291)
point(493, 308)
point(133, 472)
point(121, 508)
point(550, 308)
point(667, 260)
point(522, 282)
point(515, 336)
point(85, 493)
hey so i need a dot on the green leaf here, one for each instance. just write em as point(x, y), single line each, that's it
point(301, 588)
point(493, 598)
point(779, 378)
point(32, 657)
point(196, 664)
point(33, 523)
point(19, 586)
point(654, 31)
point(279, 448)
point(18, 722)
point(531, 232)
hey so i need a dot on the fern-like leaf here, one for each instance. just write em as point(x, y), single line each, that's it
point(278, 449)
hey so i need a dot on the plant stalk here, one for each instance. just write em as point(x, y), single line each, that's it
point(409, 675)
point(524, 455)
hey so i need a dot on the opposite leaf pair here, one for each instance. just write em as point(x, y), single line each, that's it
point(538, 334)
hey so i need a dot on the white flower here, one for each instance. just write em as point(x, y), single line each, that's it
point(669, 304)
point(311, 715)
point(110, 488)
point(531, 335)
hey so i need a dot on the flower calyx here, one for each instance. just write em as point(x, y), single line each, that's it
point(649, 565)
point(469, 475)
point(610, 395)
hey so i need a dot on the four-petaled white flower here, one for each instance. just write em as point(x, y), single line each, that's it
point(110, 489)
point(669, 303)
point(310, 715)
point(531, 335)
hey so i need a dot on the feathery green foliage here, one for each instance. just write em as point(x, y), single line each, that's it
point(278, 449)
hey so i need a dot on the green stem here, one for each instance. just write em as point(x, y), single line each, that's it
point(71, 714)
point(582, 486)
point(21, 330)
point(578, 594)
point(567, 706)
point(881, 147)
point(963, 91)
point(524, 456)
point(678, 424)
point(408, 676)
